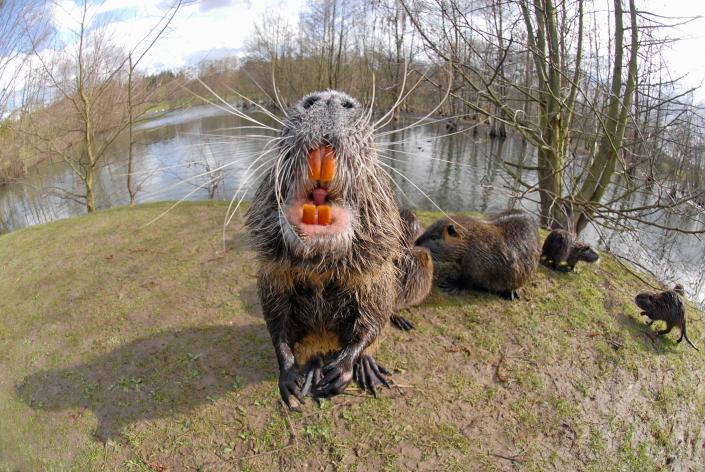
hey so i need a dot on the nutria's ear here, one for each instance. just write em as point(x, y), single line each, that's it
point(679, 289)
point(451, 230)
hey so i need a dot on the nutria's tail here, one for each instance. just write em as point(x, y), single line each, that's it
point(683, 334)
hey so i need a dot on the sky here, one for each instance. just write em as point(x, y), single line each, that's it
point(686, 56)
point(202, 29)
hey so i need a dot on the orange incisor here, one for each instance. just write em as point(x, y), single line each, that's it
point(314, 164)
point(328, 164)
point(324, 215)
point(321, 163)
point(309, 216)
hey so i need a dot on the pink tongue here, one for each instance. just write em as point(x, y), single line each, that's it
point(319, 196)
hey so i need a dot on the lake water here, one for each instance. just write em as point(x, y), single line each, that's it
point(458, 172)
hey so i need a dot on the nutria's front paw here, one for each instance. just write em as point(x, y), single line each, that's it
point(368, 374)
point(401, 323)
point(312, 374)
point(336, 376)
point(289, 381)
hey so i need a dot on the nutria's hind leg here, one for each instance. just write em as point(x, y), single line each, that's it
point(668, 329)
point(401, 323)
point(368, 374)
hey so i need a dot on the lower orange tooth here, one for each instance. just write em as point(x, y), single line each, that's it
point(324, 217)
point(309, 215)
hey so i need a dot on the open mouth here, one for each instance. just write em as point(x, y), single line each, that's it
point(316, 213)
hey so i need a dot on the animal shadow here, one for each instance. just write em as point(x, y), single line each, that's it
point(156, 376)
point(645, 335)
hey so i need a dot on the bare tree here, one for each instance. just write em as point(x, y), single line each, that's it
point(549, 29)
point(92, 87)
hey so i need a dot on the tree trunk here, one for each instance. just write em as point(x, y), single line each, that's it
point(90, 185)
point(603, 166)
point(130, 190)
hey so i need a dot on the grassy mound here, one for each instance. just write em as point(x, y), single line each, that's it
point(144, 349)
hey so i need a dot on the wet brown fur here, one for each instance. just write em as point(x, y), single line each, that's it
point(498, 253)
point(330, 298)
point(666, 306)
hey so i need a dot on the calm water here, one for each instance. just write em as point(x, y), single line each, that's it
point(459, 172)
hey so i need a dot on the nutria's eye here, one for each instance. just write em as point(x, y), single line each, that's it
point(310, 101)
point(451, 230)
point(347, 104)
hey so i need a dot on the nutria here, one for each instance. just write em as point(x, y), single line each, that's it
point(561, 246)
point(330, 242)
point(416, 268)
point(666, 306)
point(498, 253)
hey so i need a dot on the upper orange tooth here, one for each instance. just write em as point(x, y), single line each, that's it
point(327, 164)
point(314, 163)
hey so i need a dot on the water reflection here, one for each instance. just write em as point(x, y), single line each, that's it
point(457, 171)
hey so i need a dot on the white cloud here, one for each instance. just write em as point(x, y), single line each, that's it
point(197, 28)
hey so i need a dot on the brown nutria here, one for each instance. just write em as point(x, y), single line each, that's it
point(666, 306)
point(411, 225)
point(498, 253)
point(561, 246)
point(416, 268)
point(330, 242)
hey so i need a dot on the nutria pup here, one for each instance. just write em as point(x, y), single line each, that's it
point(561, 246)
point(411, 225)
point(330, 243)
point(666, 306)
point(498, 253)
point(416, 268)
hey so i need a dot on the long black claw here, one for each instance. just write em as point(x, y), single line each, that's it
point(379, 370)
point(334, 381)
point(369, 375)
point(401, 323)
point(307, 383)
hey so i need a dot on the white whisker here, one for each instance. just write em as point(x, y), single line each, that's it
point(421, 191)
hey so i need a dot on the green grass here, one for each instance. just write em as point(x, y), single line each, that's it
point(131, 348)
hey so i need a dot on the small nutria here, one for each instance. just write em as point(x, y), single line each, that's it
point(330, 242)
point(416, 267)
point(410, 225)
point(498, 253)
point(666, 306)
point(561, 246)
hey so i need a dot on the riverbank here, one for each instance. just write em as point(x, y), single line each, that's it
point(143, 348)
